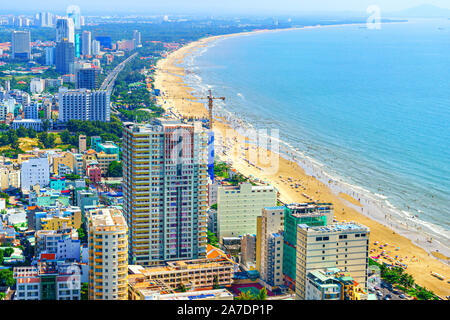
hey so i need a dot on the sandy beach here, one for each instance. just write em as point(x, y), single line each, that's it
point(291, 180)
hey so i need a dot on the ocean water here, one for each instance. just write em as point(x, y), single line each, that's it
point(369, 109)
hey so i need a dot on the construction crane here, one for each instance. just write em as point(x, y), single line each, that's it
point(210, 106)
point(210, 99)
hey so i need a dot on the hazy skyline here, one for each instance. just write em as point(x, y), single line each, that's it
point(215, 6)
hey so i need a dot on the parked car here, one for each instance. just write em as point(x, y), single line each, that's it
point(402, 296)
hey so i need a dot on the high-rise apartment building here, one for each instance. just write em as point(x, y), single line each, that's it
point(86, 42)
point(65, 29)
point(21, 45)
point(46, 19)
point(311, 214)
point(74, 13)
point(82, 104)
point(108, 255)
point(165, 190)
point(136, 38)
point(65, 57)
point(239, 206)
point(269, 246)
point(340, 245)
point(49, 56)
point(96, 47)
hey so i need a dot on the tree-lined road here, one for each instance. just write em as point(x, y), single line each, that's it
point(108, 83)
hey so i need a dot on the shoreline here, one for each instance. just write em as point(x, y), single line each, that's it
point(169, 78)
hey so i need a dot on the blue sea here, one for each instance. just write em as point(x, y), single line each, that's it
point(368, 107)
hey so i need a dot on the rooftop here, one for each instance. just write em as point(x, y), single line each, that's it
point(337, 227)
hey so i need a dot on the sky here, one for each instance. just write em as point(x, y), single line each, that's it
point(214, 6)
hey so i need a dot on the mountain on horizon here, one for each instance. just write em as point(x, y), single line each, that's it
point(423, 11)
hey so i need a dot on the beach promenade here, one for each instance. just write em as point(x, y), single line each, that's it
point(291, 180)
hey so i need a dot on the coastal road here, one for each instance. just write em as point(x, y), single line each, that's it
point(108, 83)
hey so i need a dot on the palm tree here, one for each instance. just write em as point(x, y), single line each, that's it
point(262, 295)
point(247, 295)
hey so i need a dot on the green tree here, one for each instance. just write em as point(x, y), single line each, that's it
point(262, 295)
point(212, 239)
point(246, 295)
point(65, 137)
point(406, 280)
point(424, 294)
point(45, 125)
point(6, 278)
point(12, 137)
point(22, 132)
point(8, 252)
point(51, 140)
point(84, 291)
point(72, 177)
point(82, 235)
point(31, 133)
point(43, 138)
point(115, 169)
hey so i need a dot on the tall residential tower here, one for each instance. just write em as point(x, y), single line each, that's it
point(165, 190)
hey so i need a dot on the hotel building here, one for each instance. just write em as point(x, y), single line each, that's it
point(83, 104)
point(311, 214)
point(165, 190)
point(340, 245)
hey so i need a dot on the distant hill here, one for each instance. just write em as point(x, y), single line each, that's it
point(423, 11)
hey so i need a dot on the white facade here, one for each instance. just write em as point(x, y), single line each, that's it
point(270, 228)
point(37, 86)
point(82, 104)
point(341, 245)
point(36, 125)
point(96, 47)
point(35, 171)
point(68, 249)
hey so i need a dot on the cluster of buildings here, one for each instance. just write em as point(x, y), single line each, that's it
point(17, 109)
point(76, 56)
point(285, 244)
point(48, 168)
point(152, 244)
